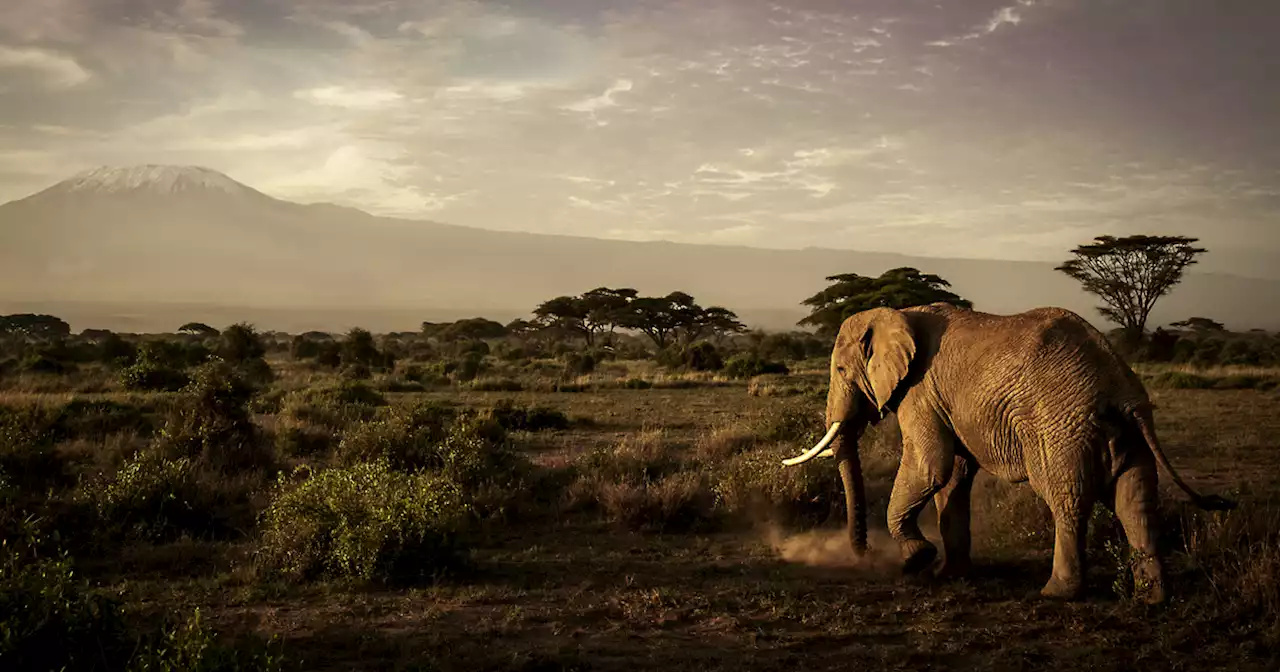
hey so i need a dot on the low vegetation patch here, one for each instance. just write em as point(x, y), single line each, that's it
point(367, 522)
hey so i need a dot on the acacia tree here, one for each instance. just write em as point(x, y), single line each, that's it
point(851, 293)
point(589, 315)
point(35, 327)
point(1130, 274)
point(713, 321)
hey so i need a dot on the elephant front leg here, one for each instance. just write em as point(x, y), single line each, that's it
point(922, 472)
point(952, 503)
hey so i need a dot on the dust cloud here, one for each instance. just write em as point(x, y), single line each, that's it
point(830, 548)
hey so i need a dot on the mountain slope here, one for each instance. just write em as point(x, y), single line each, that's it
point(155, 235)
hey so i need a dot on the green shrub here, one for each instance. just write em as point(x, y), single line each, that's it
point(27, 451)
point(240, 343)
point(367, 522)
point(156, 499)
point(407, 436)
point(750, 365)
point(1179, 380)
point(49, 619)
point(190, 646)
point(212, 423)
point(528, 419)
point(333, 407)
point(702, 356)
point(302, 440)
point(636, 384)
point(469, 448)
point(579, 363)
point(796, 423)
point(150, 376)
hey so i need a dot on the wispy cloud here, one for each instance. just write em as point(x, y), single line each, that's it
point(53, 69)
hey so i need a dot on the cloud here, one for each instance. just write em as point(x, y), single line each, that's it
point(602, 101)
point(338, 96)
point(942, 127)
point(54, 70)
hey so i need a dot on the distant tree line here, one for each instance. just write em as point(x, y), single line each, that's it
point(1128, 274)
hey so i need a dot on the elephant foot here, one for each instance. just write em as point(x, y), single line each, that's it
point(1147, 589)
point(918, 555)
point(1058, 589)
point(953, 569)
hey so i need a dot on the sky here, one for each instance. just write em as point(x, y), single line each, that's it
point(1011, 129)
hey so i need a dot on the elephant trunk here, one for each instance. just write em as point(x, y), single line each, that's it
point(855, 495)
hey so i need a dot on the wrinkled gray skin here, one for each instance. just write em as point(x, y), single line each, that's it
point(1039, 397)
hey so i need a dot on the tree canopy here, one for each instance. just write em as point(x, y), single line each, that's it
point(589, 314)
point(1200, 325)
point(33, 326)
point(851, 293)
point(469, 329)
point(198, 329)
point(666, 320)
point(1130, 274)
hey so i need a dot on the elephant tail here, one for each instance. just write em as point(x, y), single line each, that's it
point(1142, 417)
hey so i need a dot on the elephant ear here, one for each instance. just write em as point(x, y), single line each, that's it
point(888, 346)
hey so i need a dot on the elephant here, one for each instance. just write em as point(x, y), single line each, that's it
point(1039, 397)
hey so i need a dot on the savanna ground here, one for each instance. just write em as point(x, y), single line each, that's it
point(632, 520)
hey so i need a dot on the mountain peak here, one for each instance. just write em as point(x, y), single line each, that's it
point(164, 179)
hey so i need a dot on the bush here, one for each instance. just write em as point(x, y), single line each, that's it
point(1179, 380)
point(642, 484)
point(530, 419)
point(756, 485)
point(681, 502)
point(468, 368)
point(636, 384)
point(366, 522)
point(49, 619)
point(212, 422)
point(191, 646)
point(157, 499)
point(579, 363)
point(471, 449)
point(795, 423)
point(151, 376)
point(240, 343)
point(750, 365)
point(333, 407)
point(27, 448)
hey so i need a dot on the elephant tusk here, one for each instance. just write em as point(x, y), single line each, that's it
point(814, 451)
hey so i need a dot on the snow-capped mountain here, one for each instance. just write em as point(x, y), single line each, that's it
point(155, 178)
point(196, 184)
point(155, 235)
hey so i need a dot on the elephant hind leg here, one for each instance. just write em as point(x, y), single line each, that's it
point(1136, 504)
point(1068, 485)
point(952, 503)
point(1070, 528)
